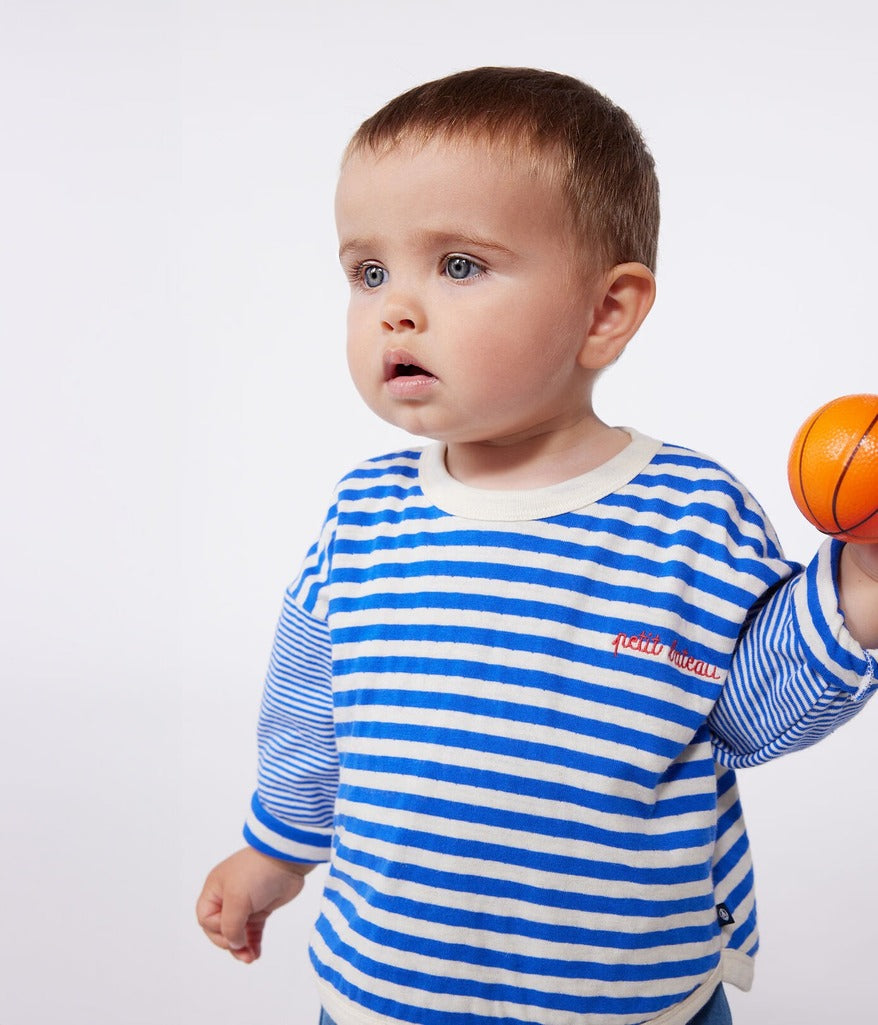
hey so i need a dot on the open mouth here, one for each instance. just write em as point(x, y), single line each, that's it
point(410, 370)
point(400, 364)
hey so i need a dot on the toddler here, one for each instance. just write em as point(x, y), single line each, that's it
point(514, 677)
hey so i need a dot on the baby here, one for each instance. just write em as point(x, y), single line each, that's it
point(514, 677)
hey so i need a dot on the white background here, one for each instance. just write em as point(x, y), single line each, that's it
point(176, 410)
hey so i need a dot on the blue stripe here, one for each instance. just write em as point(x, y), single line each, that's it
point(272, 852)
point(726, 864)
point(512, 925)
point(285, 830)
point(397, 492)
point(744, 936)
point(598, 902)
point(423, 667)
point(577, 657)
point(513, 606)
point(382, 466)
point(552, 754)
point(563, 829)
point(522, 574)
point(576, 867)
point(429, 982)
point(355, 518)
point(527, 786)
point(606, 557)
point(484, 957)
point(666, 535)
point(836, 652)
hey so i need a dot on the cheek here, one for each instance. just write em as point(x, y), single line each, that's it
point(516, 337)
point(356, 349)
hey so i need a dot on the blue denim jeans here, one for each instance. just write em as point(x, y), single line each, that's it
point(715, 1012)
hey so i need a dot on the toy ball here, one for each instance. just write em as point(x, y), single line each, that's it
point(833, 468)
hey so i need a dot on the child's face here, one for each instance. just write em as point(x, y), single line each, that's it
point(468, 305)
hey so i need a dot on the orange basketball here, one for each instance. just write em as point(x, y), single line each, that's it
point(833, 468)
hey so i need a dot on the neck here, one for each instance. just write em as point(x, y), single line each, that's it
point(537, 461)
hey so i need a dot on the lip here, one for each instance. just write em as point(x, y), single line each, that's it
point(396, 358)
point(411, 384)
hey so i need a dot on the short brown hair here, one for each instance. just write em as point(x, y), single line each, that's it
point(602, 162)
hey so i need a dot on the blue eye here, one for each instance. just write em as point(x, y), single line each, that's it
point(461, 267)
point(372, 275)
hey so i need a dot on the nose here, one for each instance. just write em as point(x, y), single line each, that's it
point(402, 313)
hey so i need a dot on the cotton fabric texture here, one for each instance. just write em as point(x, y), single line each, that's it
point(512, 721)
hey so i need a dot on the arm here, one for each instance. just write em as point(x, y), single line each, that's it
point(798, 671)
point(290, 824)
point(292, 812)
point(239, 895)
point(858, 592)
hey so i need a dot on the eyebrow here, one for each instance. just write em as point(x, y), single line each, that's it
point(449, 239)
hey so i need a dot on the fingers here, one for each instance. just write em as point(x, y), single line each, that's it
point(235, 925)
point(224, 915)
point(240, 894)
point(208, 910)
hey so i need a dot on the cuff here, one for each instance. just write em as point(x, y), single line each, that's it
point(281, 840)
point(821, 626)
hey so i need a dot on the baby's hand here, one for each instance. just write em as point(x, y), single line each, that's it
point(239, 895)
point(858, 580)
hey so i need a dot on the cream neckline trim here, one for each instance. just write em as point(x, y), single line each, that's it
point(448, 494)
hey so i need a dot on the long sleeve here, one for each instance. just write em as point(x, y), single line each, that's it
point(291, 814)
point(796, 675)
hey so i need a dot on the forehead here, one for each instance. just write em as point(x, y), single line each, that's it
point(476, 183)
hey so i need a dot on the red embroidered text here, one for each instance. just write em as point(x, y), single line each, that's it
point(651, 644)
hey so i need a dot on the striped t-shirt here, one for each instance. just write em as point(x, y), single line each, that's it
point(511, 720)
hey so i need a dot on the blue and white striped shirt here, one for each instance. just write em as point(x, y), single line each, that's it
point(511, 720)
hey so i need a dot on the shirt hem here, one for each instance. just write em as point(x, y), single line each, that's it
point(344, 1013)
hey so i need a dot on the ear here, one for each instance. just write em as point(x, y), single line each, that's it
point(623, 298)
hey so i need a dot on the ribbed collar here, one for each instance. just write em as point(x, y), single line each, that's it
point(448, 494)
